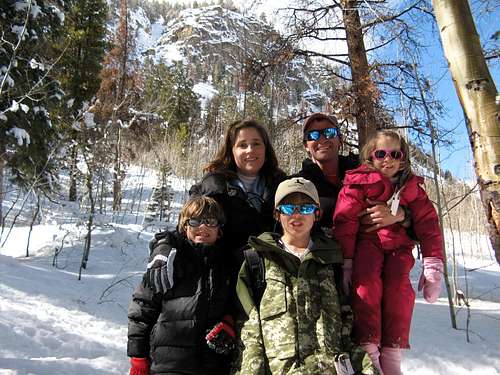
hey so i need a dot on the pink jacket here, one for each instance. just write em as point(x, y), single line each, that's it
point(365, 182)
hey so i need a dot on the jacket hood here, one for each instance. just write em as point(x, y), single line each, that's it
point(366, 174)
point(363, 175)
point(324, 251)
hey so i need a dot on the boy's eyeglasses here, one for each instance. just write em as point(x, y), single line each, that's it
point(393, 154)
point(303, 209)
point(209, 222)
point(328, 133)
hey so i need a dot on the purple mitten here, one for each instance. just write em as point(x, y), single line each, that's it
point(430, 279)
point(347, 276)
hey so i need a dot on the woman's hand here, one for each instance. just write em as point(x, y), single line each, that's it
point(378, 216)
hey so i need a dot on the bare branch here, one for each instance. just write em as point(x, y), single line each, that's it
point(301, 52)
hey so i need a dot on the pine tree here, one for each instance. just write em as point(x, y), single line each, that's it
point(28, 91)
point(169, 93)
point(83, 50)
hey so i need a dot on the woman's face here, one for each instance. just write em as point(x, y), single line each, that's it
point(323, 150)
point(249, 152)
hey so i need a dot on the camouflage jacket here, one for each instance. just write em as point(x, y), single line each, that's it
point(297, 329)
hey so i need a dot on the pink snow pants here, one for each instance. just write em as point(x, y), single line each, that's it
point(382, 297)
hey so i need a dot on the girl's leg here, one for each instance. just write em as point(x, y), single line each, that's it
point(398, 299)
point(390, 360)
point(367, 293)
point(372, 350)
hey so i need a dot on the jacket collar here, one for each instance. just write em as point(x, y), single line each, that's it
point(324, 251)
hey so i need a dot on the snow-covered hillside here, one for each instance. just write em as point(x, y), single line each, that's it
point(52, 323)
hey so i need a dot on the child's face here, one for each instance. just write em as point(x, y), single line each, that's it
point(297, 225)
point(201, 230)
point(388, 166)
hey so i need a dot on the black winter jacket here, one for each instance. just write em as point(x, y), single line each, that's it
point(170, 329)
point(242, 220)
point(328, 192)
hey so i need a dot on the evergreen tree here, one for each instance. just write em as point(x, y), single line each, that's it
point(169, 93)
point(83, 51)
point(28, 91)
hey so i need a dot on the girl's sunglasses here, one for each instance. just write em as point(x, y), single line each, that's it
point(328, 133)
point(393, 154)
point(209, 222)
point(303, 209)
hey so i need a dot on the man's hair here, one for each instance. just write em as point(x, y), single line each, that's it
point(371, 144)
point(223, 161)
point(317, 117)
point(200, 207)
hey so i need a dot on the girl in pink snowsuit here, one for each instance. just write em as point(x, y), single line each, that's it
point(380, 261)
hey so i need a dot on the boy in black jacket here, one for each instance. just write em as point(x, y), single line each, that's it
point(180, 317)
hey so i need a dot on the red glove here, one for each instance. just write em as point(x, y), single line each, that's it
point(140, 366)
point(221, 338)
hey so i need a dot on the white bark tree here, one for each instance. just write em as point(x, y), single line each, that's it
point(478, 96)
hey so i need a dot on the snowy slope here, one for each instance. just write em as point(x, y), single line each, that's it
point(51, 323)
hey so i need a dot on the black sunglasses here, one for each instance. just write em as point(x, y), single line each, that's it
point(328, 133)
point(209, 222)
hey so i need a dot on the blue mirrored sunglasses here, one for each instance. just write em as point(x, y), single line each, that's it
point(328, 133)
point(209, 222)
point(303, 209)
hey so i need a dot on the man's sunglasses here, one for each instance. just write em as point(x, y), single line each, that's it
point(209, 222)
point(393, 154)
point(303, 209)
point(328, 133)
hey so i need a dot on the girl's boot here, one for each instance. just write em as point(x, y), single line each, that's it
point(390, 360)
point(372, 350)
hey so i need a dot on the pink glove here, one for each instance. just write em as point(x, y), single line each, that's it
point(140, 366)
point(430, 279)
point(347, 276)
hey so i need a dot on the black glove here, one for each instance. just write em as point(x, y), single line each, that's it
point(222, 338)
point(159, 275)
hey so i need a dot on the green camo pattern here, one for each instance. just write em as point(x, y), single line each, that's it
point(298, 329)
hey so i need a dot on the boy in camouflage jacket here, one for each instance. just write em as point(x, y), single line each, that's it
point(296, 328)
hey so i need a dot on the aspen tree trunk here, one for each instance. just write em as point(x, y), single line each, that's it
point(476, 92)
point(2, 172)
point(439, 205)
point(364, 88)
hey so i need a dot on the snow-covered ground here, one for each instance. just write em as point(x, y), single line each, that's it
point(53, 323)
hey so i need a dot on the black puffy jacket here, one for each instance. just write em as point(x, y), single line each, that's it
point(170, 329)
point(242, 220)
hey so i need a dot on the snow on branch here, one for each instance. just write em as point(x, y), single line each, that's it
point(22, 136)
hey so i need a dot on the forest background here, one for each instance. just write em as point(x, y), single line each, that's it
point(92, 90)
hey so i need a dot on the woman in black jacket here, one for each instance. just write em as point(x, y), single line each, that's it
point(243, 178)
point(180, 317)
